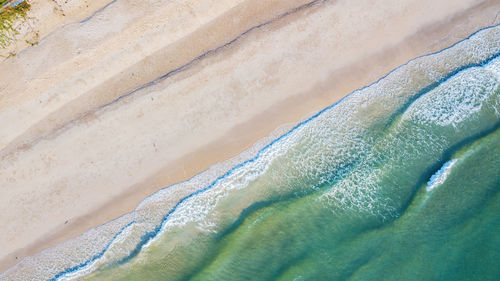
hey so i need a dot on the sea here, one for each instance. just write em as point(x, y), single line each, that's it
point(400, 180)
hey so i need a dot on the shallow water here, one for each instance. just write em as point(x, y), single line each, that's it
point(398, 181)
point(400, 191)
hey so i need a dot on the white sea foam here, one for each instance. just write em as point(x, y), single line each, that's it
point(314, 149)
point(440, 176)
point(458, 99)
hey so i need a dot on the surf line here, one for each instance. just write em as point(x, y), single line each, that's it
point(150, 235)
point(94, 258)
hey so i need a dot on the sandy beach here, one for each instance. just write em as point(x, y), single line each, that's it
point(120, 99)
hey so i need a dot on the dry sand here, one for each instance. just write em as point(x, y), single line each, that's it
point(87, 130)
point(45, 17)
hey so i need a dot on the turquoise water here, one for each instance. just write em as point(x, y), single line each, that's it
point(405, 191)
point(398, 181)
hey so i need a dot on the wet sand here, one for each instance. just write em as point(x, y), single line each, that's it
point(88, 130)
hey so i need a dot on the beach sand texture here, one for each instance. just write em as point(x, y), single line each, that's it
point(116, 103)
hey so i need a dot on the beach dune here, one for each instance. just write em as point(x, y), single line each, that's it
point(123, 98)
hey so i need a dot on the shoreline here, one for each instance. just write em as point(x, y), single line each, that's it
point(225, 146)
point(246, 157)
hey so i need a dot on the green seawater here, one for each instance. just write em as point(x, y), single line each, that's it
point(401, 191)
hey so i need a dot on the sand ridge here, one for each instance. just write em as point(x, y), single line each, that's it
point(103, 166)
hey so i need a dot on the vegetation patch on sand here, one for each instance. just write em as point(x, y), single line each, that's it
point(8, 17)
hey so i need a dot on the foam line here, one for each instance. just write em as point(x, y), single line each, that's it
point(93, 259)
point(440, 176)
point(149, 236)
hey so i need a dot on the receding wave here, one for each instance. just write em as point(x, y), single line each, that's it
point(392, 166)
